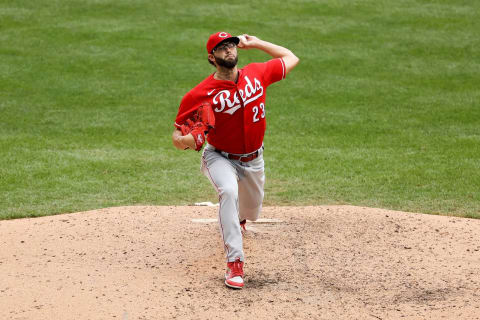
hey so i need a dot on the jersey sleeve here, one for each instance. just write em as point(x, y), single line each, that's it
point(274, 71)
point(186, 110)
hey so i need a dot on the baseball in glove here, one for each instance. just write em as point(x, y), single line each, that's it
point(199, 125)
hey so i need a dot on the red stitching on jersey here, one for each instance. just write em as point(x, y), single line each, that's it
point(283, 68)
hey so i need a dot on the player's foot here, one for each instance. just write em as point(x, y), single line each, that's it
point(243, 226)
point(234, 274)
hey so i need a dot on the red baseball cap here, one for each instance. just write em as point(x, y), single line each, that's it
point(218, 37)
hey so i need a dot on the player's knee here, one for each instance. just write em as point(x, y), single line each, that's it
point(229, 192)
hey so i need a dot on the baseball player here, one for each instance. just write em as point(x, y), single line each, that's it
point(228, 108)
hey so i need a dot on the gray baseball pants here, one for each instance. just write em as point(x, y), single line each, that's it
point(239, 186)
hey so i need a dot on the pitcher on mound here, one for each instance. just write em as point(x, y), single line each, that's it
point(228, 110)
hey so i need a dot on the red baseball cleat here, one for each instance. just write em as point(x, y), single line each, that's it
point(243, 225)
point(234, 274)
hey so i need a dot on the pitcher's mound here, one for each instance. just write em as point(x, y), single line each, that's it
point(326, 262)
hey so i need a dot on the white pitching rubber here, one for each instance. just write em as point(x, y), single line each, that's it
point(259, 221)
point(208, 204)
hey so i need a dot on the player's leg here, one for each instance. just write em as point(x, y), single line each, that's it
point(251, 189)
point(223, 176)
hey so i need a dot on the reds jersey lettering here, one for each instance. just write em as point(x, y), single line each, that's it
point(239, 107)
point(248, 94)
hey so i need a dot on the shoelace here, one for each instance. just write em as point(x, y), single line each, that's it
point(237, 269)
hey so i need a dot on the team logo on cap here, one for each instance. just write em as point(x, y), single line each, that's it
point(223, 35)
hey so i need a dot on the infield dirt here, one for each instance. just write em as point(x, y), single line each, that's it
point(325, 262)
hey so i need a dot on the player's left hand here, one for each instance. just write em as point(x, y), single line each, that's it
point(201, 123)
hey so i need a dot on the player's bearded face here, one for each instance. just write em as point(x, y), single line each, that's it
point(229, 62)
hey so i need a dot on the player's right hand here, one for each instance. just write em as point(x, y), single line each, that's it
point(247, 41)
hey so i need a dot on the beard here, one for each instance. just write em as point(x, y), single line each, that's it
point(229, 64)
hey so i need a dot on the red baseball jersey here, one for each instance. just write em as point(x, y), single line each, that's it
point(239, 107)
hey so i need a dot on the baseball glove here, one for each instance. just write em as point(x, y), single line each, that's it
point(199, 125)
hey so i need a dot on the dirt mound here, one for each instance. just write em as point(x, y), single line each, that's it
point(326, 262)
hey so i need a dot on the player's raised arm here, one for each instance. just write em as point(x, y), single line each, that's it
point(276, 51)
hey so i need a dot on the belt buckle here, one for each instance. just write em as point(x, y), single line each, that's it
point(242, 158)
point(250, 157)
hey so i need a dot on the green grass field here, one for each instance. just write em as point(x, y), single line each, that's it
point(383, 109)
